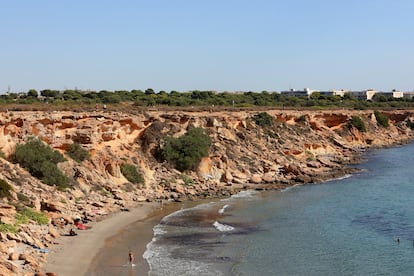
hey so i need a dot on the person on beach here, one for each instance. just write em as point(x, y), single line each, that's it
point(130, 257)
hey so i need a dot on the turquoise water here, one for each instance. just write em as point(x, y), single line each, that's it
point(342, 227)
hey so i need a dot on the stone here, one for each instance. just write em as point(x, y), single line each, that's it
point(11, 236)
point(141, 198)
point(13, 256)
point(269, 177)
point(53, 232)
point(26, 238)
point(256, 178)
point(53, 207)
point(10, 266)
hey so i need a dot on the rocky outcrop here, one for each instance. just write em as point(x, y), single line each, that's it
point(300, 147)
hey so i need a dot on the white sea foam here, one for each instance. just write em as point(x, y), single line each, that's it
point(162, 262)
point(245, 194)
point(181, 212)
point(223, 227)
point(290, 187)
point(341, 178)
point(221, 211)
point(159, 230)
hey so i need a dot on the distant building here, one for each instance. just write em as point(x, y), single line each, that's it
point(393, 94)
point(334, 92)
point(364, 95)
point(408, 95)
point(306, 92)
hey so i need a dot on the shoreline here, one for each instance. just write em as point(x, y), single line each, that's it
point(78, 255)
point(73, 255)
point(112, 258)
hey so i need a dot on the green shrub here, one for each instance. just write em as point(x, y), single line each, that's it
point(26, 214)
point(188, 181)
point(381, 119)
point(77, 153)
point(24, 199)
point(131, 173)
point(8, 228)
point(185, 152)
point(2, 155)
point(5, 188)
point(357, 122)
point(410, 124)
point(40, 160)
point(263, 119)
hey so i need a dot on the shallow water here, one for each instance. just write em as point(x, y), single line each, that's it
point(342, 227)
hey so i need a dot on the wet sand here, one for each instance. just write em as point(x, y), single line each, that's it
point(74, 255)
point(112, 259)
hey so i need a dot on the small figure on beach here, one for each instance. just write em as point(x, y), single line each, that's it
point(398, 240)
point(72, 232)
point(131, 257)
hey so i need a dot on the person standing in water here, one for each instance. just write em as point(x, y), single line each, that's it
point(131, 257)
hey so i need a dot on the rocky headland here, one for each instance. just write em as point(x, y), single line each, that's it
point(299, 147)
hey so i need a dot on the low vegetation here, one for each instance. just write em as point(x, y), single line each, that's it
point(82, 100)
point(27, 214)
point(357, 122)
point(382, 119)
point(41, 162)
point(77, 153)
point(5, 189)
point(185, 152)
point(8, 228)
point(131, 173)
point(263, 119)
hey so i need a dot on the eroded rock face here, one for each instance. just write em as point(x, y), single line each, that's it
point(300, 147)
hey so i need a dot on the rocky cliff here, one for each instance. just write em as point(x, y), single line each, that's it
point(299, 147)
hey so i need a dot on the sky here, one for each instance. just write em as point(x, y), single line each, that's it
point(221, 45)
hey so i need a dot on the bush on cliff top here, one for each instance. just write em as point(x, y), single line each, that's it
point(40, 161)
point(185, 152)
point(131, 173)
point(77, 153)
point(263, 119)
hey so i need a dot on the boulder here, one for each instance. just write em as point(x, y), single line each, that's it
point(26, 238)
point(269, 177)
point(8, 268)
point(256, 178)
point(52, 206)
point(13, 256)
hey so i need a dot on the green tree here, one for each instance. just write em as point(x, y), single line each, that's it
point(185, 152)
point(32, 93)
point(149, 91)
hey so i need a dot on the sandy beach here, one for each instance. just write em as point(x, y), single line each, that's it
point(74, 255)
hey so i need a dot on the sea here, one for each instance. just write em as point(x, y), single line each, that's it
point(361, 224)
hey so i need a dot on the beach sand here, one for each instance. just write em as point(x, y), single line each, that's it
point(74, 255)
point(112, 258)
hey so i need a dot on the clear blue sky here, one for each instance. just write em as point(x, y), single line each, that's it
point(223, 45)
